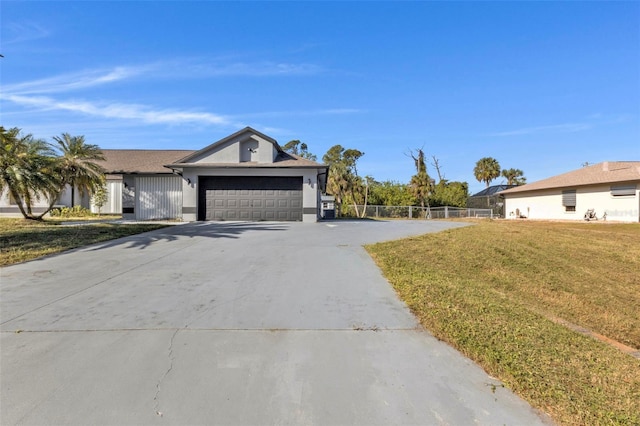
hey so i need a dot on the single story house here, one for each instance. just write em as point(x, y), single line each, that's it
point(611, 188)
point(244, 176)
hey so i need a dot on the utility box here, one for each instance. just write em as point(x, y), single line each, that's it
point(328, 207)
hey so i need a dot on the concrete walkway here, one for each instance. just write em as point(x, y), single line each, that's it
point(232, 323)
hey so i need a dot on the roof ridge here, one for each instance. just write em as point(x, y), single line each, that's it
point(606, 172)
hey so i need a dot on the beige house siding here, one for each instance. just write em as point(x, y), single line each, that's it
point(547, 203)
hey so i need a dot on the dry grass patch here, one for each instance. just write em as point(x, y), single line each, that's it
point(491, 289)
point(22, 240)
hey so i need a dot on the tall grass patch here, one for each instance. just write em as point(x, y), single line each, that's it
point(495, 289)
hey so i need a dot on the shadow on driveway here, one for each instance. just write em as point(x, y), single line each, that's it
point(231, 230)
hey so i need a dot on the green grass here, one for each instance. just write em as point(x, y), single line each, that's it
point(22, 240)
point(495, 290)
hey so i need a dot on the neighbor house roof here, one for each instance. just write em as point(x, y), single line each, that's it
point(492, 190)
point(601, 173)
point(141, 160)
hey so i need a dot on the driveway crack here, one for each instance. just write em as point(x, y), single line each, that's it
point(156, 398)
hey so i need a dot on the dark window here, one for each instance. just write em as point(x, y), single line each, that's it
point(569, 200)
point(623, 190)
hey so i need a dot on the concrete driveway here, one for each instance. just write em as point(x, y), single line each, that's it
point(232, 323)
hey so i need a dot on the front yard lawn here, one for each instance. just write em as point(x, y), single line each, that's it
point(22, 240)
point(496, 290)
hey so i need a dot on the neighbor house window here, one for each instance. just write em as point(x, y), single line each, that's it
point(569, 200)
point(623, 190)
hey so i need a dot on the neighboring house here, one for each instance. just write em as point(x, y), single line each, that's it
point(611, 187)
point(489, 198)
point(245, 176)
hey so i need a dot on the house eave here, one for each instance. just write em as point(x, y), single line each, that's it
point(524, 190)
point(241, 167)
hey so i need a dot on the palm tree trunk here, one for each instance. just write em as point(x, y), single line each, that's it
point(366, 196)
point(19, 202)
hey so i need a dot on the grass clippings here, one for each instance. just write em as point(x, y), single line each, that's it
point(496, 290)
point(22, 240)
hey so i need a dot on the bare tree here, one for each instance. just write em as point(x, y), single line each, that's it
point(436, 165)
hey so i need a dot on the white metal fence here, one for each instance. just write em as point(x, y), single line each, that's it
point(413, 212)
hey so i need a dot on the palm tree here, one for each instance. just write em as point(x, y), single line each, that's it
point(514, 176)
point(27, 170)
point(486, 170)
point(343, 181)
point(77, 163)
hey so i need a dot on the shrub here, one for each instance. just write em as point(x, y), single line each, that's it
point(75, 211)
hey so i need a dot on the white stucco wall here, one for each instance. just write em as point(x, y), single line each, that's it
point(237, 151)
point(226, 153)
point(547, 204)
point(267, 152)
point(114, 198)
point(190, 191)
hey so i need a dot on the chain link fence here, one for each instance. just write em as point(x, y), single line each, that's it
point(413, 212)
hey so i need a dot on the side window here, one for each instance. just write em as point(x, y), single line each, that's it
point(569, 200)
point(623, 190)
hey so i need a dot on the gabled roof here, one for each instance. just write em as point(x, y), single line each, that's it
point(283, 159)
point(492, 190)
point(223, 141)
point(127, 161)
point(119, 161)
point(601, 173)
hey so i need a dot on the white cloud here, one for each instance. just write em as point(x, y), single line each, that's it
point(176, 69)
point(74, 81)
point(121, 111)
point(18, 32)
point(38, 95)
point(196, 69)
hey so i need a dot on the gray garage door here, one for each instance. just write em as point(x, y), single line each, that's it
point(249, 198)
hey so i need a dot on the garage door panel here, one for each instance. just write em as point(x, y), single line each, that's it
point(250, 198)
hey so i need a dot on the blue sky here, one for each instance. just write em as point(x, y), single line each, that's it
point(540, 86)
